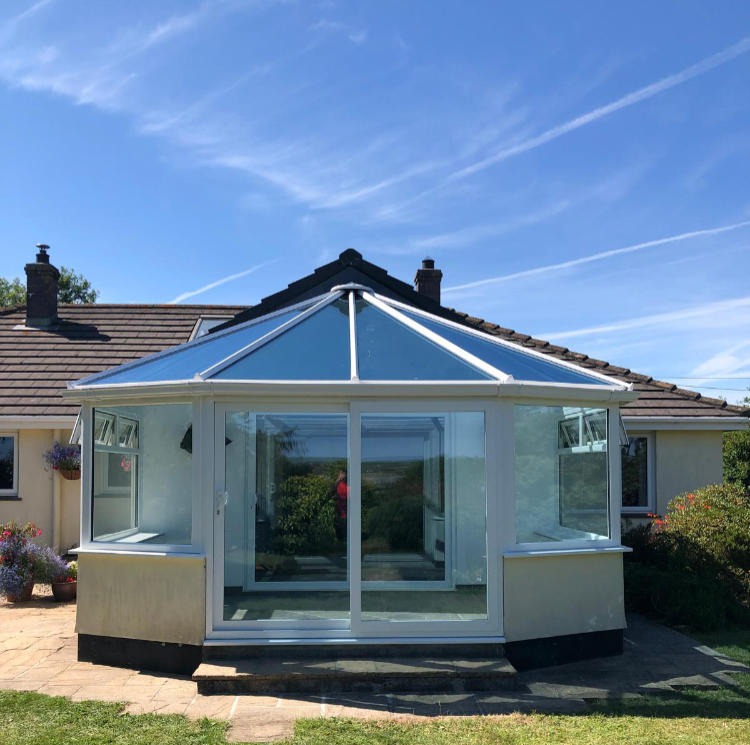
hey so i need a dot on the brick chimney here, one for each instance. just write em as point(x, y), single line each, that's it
point(427, 280)
point(41, 290)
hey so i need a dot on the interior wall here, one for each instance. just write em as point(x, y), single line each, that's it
point(547, 596)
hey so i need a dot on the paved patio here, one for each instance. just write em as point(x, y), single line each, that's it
point(38, 653)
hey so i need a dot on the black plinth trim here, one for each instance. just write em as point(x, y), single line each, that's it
point(138, 654)
point(557, 650)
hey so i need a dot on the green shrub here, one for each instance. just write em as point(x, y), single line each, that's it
point(736, 458)
point(693, 565)
point(305, 516)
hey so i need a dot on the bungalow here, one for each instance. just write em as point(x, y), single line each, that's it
point(346, 462)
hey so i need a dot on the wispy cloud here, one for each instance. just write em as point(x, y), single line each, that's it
point(222, 281)
point(598, 256)
point(648, 91)
point(723, 313)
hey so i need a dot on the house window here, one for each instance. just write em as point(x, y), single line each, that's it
point(562, 474)
point(8, 464)
point(142, 475)
point(637, 481)
point(204, 325)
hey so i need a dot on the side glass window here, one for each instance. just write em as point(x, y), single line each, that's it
point(142, 474)
point(562, 477)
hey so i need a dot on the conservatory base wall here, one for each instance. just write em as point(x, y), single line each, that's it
point(556, 596)
point(149, 598)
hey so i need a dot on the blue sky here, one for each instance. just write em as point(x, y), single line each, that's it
point(579, 171)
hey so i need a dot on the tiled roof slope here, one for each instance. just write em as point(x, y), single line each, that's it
point(35, 366)
point(656, 399)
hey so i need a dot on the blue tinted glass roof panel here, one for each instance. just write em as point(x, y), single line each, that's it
point(314, 349)
point(191, 358)
point(389, 350)
point(510, 361)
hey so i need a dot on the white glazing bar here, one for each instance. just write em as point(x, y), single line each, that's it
point(196, 342)
point(240, 353)
point(455, 350)
point(353, 335)
point(533, 353)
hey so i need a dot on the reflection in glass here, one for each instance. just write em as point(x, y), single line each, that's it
point(315, 349)
point(389, 350)
point(285, 534)
point(562, 484)
point(423, 517)
point(513, 362)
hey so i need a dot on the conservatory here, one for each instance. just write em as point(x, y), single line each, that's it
point(348, 469)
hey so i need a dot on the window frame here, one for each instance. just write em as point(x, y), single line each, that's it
point(87, 544)
point(12, 493)
point(614, 491)
point(650, 507)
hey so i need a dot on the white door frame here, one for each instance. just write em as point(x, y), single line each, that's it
point(355, 629)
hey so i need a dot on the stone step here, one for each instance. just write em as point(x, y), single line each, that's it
point(296, 651)
point(348, 675)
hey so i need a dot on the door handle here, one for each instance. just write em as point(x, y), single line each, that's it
point(220, 500)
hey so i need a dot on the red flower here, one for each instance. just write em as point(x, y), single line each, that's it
point(680, 506)
point(706, 506)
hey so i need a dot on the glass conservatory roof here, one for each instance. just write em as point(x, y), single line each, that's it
point(349, 334)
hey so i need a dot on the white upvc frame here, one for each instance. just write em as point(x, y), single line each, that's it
point(614, 494)
point(87, 543)
point(650, 505)
point(12, 493)
point(217, 626)
point(354, 628)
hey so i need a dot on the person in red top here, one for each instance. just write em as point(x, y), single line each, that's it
point(341, 502)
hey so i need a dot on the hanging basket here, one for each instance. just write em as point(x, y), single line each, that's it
point(71, 474)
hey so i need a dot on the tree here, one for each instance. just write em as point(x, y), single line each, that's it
point(75, 288)
point(12, 292)
point(72, 288)
point(736, 454)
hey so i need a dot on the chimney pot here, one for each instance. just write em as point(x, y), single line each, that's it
point(42, 279)
point(427, 280)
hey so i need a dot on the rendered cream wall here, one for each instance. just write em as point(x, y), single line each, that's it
point(558, 595)
point(155, 598)
point(34, 483)
point(685, 460)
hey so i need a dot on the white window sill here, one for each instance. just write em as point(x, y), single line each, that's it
point(187, 554)
point(521, 554)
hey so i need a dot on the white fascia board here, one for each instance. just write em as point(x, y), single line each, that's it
point(89, 379)
point(278, 331)
point(509, 344)
point(566, 392)
point(720, 423)
point(286, 389)
point(32, 421)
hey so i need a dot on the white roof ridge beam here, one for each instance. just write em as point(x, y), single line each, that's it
point(193, 342)
point(448, 346)
point(509, 344)
point(249, 348)
point(353, 335)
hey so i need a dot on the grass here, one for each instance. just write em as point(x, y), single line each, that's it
point(719, 717)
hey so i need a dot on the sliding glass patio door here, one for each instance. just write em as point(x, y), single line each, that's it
point(365, 522)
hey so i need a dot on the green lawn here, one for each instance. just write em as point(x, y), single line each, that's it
point(685, 718)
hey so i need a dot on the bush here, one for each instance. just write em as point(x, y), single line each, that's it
point(736, 458)
point(693, 565)
point(305, 516)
